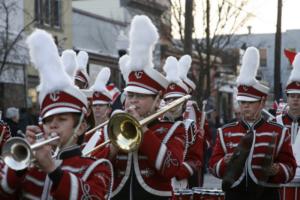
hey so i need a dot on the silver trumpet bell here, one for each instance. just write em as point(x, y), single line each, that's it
point(17, 153)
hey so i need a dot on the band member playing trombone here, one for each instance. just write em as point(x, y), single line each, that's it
point(146, 173)
point(66, 175)
point(290, 118)
point(101, 107)
point(188, 174)
point(252, 156)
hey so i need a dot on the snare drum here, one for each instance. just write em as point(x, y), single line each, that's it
point(208, 194)
point(183, 194)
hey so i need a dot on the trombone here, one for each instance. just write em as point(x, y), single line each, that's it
point(18, 154)
point(125, 132)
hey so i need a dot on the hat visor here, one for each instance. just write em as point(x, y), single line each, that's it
point(293, 91)
point(98, 102)
point(246, 98)
point(174, 95)
point(60, 110)
point(136, 89)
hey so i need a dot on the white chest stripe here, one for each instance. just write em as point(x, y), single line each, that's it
point(35, 181)
point(74, 187)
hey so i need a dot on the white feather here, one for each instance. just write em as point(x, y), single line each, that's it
point(69, 61)
point(249, 67)
point(44, 55)
point(143, 36)
point(82, 60)
point(125, 70)
point(184, 66)
point(295, 73)
point(101, 80)
point(171, 69)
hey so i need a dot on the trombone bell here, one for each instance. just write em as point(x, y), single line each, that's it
point(125, 132)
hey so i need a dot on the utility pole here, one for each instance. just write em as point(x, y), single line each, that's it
point(277, 54)
point(188, 28)
point(208, 49)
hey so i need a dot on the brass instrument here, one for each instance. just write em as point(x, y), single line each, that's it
point(125, 132)
point(237, 161)
point(17, 153)
point(203, 114)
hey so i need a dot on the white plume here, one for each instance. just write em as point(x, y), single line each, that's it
point(171, 69)
point(249, 67)
point(184, 66)
point(44, 55)
point(143, 36)
point(295, 73)
point(69, 61)
point(82, 60)
point(124, 68)
point(101, 80)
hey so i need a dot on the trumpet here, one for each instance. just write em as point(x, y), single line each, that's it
point(18, 154)
point(125, 132)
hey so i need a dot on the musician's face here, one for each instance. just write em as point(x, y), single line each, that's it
point(250, 111)
point(143, 102)
point(293, 100)
point(61, 124)
point(101, 111)
point(175, 112)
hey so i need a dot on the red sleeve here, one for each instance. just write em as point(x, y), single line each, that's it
point(165, 158)
point(4, 133)
point(286, 161)
point(217, 165)
point(97, 185)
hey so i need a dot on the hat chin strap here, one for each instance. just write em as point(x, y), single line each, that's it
point(75, 131)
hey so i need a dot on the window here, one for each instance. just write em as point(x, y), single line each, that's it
point(48, 13)
point(263, 57)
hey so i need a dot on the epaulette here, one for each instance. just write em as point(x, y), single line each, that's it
point(230, 125)
point(275, 123)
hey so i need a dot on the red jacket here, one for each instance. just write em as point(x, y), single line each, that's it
point(158, 159)
point(229, 137)
point(193, 112)
point(289, 122)
point(75, 178)
point(4, 133)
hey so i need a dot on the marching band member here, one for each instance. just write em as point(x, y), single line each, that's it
point(82, 79)
point(193, 154)
point(291, 120)
point(69, 175)
point(101, 107)
point(146, 173)
point(252, 156)
point(194, 113)
point(4, 133)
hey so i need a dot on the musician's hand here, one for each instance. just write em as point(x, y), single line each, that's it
point(227, 158)
point(274, 169)
point(43, 156)
point(31, 132)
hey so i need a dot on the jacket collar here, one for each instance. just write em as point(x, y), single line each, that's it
point(69, 152)
point(255, 124)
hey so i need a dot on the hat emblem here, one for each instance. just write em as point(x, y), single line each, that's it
point(97, 94)
point(138, 75)
point(54, 96)
point(245, 88)
point(172, 86)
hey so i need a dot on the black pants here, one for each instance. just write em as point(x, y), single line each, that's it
point(251, 191)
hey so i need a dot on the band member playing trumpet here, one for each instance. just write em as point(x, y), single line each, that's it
point(146, 173)
point(252, 156)
point(290, 118)
point(188, 173)
point(66, 175)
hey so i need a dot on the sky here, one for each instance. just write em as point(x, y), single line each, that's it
point(265, 15)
